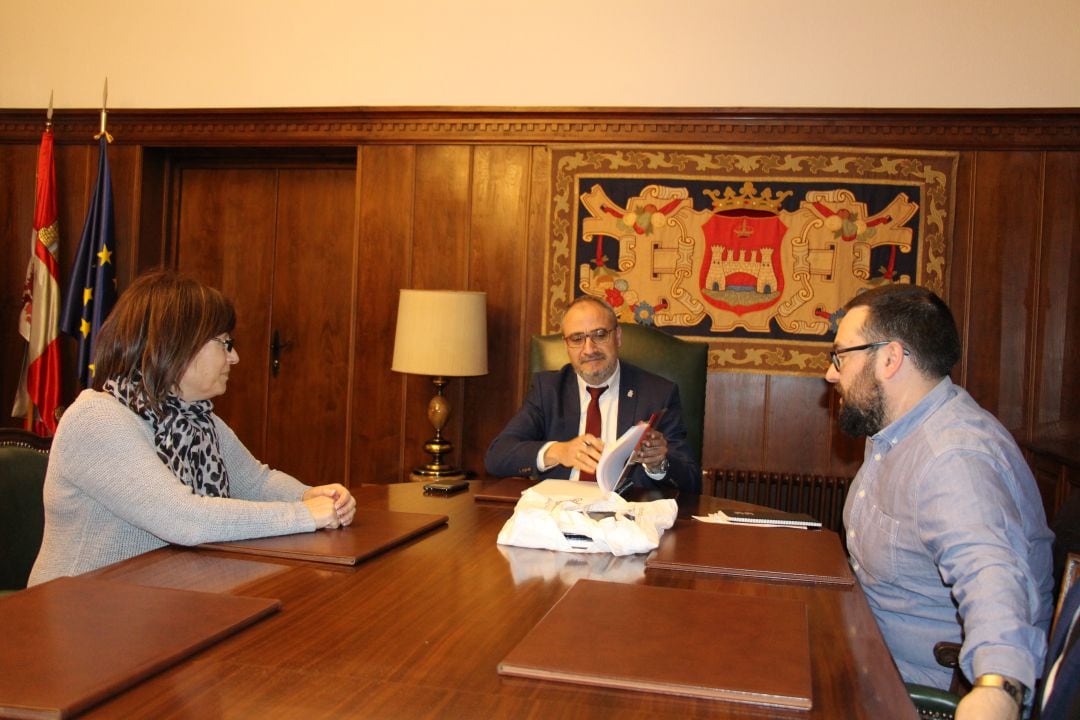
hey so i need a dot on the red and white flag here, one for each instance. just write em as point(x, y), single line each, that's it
point(39, 386)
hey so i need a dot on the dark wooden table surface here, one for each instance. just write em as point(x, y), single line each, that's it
point(419, 631)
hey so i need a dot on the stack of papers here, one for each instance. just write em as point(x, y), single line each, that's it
point(615, 462)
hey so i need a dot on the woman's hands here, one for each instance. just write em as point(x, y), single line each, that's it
point(332, 506)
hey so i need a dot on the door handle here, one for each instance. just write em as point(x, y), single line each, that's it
point(276, 346)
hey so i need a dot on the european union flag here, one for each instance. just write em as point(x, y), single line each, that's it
point(92, 290)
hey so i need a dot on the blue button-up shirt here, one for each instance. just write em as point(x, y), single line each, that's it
point(949, 540)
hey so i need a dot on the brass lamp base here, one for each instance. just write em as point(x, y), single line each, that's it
point(438, 446)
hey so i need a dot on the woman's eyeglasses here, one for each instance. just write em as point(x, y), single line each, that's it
point(229, 343)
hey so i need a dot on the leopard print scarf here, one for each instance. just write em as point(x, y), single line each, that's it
point(184, 436)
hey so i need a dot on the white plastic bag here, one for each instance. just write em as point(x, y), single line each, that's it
point(608, 525)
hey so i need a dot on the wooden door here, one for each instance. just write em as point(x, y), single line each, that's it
point(311, 311)
point(278, 242)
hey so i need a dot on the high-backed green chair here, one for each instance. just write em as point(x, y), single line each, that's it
point(24, 457)
point(931, 703)
point(683, 363)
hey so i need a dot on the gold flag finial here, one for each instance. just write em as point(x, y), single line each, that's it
point(48, 113)
point(104, 104)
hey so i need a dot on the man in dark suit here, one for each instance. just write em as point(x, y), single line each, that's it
point(552, 435)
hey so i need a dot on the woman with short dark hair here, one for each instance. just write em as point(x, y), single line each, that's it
point(140, 460)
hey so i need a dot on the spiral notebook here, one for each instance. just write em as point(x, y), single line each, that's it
point(768, 517)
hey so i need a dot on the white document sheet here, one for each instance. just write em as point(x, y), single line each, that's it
point(615, 458)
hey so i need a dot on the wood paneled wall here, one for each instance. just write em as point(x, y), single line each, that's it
point(453, 198)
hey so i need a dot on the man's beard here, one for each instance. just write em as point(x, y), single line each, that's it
point(863, 416)
point(600, 374)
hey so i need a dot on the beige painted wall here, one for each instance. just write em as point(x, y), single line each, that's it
point(688, 53)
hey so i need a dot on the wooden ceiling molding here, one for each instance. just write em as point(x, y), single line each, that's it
point(1043, 129)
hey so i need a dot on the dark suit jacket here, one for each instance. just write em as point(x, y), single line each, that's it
point(552, 411)
point(1064, 700)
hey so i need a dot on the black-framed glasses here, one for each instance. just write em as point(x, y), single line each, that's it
point(600, 336)
point(835, 354)
point(229, 343)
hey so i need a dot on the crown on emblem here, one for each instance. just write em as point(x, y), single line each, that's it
point(747, 199)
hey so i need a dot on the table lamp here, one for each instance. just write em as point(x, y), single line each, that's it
point(441, 333)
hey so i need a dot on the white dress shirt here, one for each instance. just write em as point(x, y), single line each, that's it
point(609, 416)
point(609, 419)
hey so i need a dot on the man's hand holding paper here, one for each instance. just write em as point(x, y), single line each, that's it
point(653, 450)
point(582, 452)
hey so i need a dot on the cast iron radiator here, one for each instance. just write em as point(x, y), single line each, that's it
point(820, 496)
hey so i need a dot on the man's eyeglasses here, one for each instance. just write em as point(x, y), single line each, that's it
point(600, 336)
point(835, 354)
point(229, 343)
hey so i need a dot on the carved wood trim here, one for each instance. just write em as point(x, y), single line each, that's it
point(327, 127)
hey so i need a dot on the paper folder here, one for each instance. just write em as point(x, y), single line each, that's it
point(682, 642)
point(372, 532)
point(73, 642)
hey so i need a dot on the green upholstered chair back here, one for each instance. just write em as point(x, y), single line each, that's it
point(23, 459)
point(683, 363)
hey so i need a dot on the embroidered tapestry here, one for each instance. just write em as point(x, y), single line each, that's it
point(752, 250)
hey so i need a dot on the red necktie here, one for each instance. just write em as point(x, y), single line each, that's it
point(592, 422)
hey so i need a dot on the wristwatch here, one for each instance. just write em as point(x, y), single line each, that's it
point(660, 468)
point(1016, 690)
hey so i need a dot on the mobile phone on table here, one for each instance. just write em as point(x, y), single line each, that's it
point(446, 487)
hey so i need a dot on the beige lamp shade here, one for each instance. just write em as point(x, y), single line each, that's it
point(441, 332)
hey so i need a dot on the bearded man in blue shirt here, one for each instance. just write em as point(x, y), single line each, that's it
point(944, 522)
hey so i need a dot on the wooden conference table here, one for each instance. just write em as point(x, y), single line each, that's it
point(418, 632)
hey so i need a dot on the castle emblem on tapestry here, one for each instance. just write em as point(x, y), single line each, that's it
point(751, 250)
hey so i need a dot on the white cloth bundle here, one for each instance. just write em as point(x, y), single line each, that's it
point(625, 528)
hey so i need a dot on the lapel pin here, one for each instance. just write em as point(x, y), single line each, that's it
point(629, 393)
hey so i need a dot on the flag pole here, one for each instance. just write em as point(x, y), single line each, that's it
point(92, 286)
point(104, 113)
